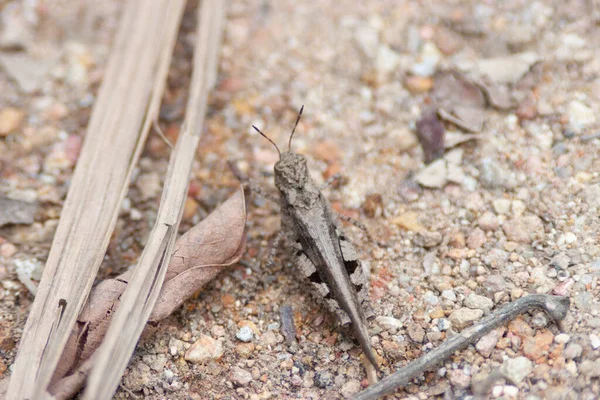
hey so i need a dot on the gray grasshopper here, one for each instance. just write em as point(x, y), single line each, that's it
point(320, 250)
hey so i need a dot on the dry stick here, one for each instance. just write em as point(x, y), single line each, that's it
point(141, 294)
point(555, 306)
point(131, 90)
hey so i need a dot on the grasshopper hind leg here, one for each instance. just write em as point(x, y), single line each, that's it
point(359, 274)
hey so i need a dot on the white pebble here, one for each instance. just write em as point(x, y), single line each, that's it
point(595, 341)
point(562, 338)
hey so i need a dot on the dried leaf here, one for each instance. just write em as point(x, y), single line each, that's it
point(199, 255)
point(460, 100)
point(430, 132)
point(452, 89)
point(16, 211)
point(454, 138)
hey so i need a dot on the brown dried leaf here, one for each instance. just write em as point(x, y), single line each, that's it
point(199, 255)
point(430, 132)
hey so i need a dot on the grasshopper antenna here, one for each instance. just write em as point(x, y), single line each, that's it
point(295, 125)
point(266, 137)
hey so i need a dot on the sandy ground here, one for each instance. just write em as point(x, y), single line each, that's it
point(510, 209)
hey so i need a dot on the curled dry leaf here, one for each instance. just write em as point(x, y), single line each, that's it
point(460, 101)
point(199, 255)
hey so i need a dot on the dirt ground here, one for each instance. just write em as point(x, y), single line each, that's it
point(510, 209)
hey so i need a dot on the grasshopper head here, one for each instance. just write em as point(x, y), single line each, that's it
point(291, 171)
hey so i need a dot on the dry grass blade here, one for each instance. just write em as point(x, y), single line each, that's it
point(141, 294)
point(127, 103)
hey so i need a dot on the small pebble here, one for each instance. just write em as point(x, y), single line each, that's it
point(10, 120)
point(486, 344)
point(562, 338)
point(240, 376)
point(516, 369)
point(389, 323)
point(203, 349)
point(464, 317)
point(573, 350)
point(323, 379)
point(350, 388)
point(476, 301)
point(594, 341)
point(245, 334)
point(590, 368)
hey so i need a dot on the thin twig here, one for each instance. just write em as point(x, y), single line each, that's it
point(555, 306)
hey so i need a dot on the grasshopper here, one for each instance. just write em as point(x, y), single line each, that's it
point(320, 250)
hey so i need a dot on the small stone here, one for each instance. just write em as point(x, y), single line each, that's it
point(486, 344)
point(240, 376)
point(350, 388)
point(449, 294)
point(373, 205)
point(387, 60)
point(492, 175)
point(476, 238)
point(367, 39)
point(516, 370)
point(476, 301)
point(511, 392)
point(444, 324)
point(430, 298)
point(580, 116)
point(416, 333)
point(323, 379)
point(495, 283)
point(536, 347)
point(138, 377)
point(10, 120)
point(418, 84)
point(245, 334)
point(590, 368)
point(390, 324)
point(583, 301)
point(496, 258)
point(7, 250)
point(427, 239)
point(523, 230)
point(594, 341)
point(203, 349)
point(244, 350)
point(437, 312)
point(408, 221)
point(502, 206)
point(459, 379)
point(573, 350)
point(428, 60)
point(562, 338)
point(570, 238)
point(435, 175)
point(148, 185)
point(464, 317)
point(189, 208)
point(560, 261)
point(268, 338)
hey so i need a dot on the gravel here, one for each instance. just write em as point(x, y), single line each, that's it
point(505, 212)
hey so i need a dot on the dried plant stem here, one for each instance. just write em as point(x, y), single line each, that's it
point(143, 289)
point(556, 307)
point(127, 103)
